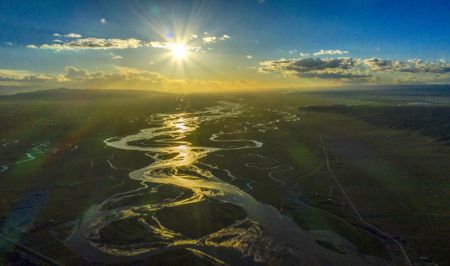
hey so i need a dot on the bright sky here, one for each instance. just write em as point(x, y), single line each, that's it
point(222, 45)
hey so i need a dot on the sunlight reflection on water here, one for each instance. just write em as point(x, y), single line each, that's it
point(176, 165)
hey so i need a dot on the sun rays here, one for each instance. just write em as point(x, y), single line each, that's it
point(179, 51)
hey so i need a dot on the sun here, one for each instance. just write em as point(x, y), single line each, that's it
point(179, 51)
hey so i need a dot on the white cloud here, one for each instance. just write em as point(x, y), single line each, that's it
point(331, 52)
point(349, 69)
point(248, 56)
point(212, 39)
point(158, 44)
point(78, 43)
point(209, 39)
point(73, 35)
point(162, 45)
point(169, 45)
point(92, 43)
point(322, 68)
point(196, 48)
point(56, 34)
point(103, 21)
point(73, 73)
point(9, 75)
point(408, 66)
point(115, 57)
point(8, 43)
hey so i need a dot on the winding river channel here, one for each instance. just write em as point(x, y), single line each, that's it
point(264, 237)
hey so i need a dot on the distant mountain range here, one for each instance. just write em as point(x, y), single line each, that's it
point(391, 90)
point(78, 94)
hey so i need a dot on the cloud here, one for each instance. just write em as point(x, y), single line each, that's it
point(351, 69)
point(408, 66)
point(73, 73)
point(331, 52)
point(119, 78)
point(77, 42)
point(248, 56)
point(169, 45)
point(158, 44)
point(115, 57)
point(103, 21)
point(9, 75)
point(92, 43)
point(325, 68)
point(73, 35)
point(320, 68)
point(209, 39)
point(8, 43)
point(213, 39)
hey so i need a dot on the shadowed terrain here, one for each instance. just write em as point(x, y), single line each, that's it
point(213, 179)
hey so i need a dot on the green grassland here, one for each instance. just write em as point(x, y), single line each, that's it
point(397, 175)
point(70, 181)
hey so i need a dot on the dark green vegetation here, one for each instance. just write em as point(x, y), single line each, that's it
point(156, 194)
point(433, 121)
point(71, 171)
point(178, 257)
point(200, 219)
point(126, 231)
point(388, 150)
point(314, 219)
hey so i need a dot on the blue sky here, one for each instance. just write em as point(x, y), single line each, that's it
point(259, 34)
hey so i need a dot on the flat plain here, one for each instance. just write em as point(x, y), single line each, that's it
point(363, 174)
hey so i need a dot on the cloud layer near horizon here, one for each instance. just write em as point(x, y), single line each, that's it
point(120, 78)
point(352, 69)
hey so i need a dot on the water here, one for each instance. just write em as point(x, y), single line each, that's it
point(266, 236)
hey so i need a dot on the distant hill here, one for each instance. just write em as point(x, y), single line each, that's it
point(393, 90)
point(78, 94)
point(10, 90)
